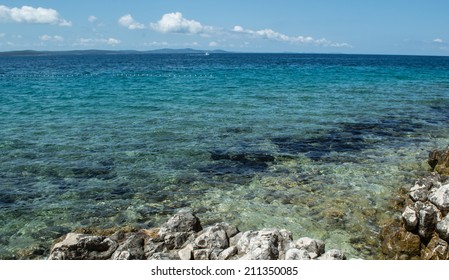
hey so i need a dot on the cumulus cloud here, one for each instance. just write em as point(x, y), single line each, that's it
point(270, 34)
point(176, 23)
point(27, 14)
point(438, 40)
point(129, 22)
point(55, 38)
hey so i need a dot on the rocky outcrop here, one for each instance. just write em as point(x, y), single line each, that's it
point(423, 231)
point(183, 238)
point(77, 246)
point(439, 161)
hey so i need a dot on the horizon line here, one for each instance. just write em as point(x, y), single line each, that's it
point(197, 51)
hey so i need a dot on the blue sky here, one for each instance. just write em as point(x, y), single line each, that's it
point(323, 26)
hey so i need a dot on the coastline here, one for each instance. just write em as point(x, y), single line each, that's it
point(182, 237)
point(421, 228)
point(421, 232)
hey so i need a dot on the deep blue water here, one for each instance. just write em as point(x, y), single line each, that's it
point(316, 144)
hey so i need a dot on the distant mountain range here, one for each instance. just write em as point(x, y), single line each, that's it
point(98, 52)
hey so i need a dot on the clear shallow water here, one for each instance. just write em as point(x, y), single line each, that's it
point(316, 144)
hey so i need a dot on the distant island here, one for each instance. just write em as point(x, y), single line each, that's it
point(98, 52)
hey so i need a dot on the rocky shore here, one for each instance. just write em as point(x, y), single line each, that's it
point(182, 237)
point(422, 231)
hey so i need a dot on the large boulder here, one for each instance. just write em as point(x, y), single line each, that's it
point(260, 245)
point(313, 246)
point(228, 253)
point(78, 246)
point(214, 237)
point(443, 228)
point(428, 217)
point(440, 197)
point(131, 248)
point(183, 221)
point(410, 218)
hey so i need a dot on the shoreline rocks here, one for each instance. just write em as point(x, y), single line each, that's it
point(422, 232)
point(182, 237)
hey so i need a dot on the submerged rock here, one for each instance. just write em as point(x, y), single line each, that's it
point(398, 243)
point(439, 161)
point(333, 255)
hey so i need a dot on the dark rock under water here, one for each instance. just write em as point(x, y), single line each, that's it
point(349, 138)
point(240, 164)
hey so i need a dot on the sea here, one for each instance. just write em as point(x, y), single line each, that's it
point(317, 144)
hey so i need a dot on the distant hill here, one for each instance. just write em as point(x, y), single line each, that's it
point(101, 52)
point(187, 51)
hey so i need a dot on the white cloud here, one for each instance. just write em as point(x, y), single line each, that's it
point(92, 42)
point(270, 34)
point(92, 19)
point(238, 28)
point(129, 22)
point(213, 44)
point(438, 40)
point(176, 23)
point(340, 45)
point(2, 35)
point(27, 14)
point(155, 43)
point(55, 38)
point(273, 35)
point(112, 41)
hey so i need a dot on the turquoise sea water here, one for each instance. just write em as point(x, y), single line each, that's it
point(316, 144)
